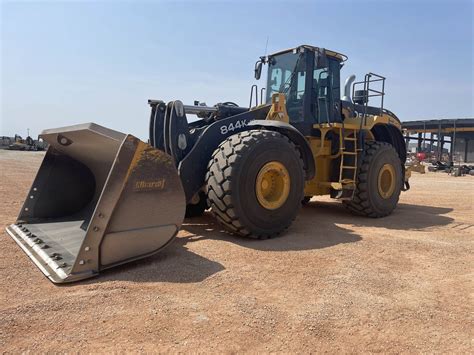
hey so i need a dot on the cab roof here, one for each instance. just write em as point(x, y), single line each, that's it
point(339, 56)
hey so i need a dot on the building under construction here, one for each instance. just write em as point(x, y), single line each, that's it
point(434, 136)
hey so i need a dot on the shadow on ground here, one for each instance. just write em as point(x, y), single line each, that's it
point(176, 264)
point(405, 216)
point(325, 220)
point(317, 226)
point(323, 235)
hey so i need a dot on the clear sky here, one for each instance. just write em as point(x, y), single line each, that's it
point(67, 62)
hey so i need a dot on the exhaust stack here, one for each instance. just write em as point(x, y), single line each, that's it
point(347, 88)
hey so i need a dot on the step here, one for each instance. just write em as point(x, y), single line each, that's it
point(347, 181)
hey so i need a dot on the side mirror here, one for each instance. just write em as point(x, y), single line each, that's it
point(258, 69)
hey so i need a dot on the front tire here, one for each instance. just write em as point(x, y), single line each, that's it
point(380, 181)
point(255, 183)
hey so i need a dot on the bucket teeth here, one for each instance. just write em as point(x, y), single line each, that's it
point(38, 241)
point(55, 256)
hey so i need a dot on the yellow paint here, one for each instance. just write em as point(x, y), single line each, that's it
point(278, 109)
point(369, 123)
point(272, 185)
point(321, 184)
point(321, 150)
point(386, 181)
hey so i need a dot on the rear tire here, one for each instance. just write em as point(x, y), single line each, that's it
point(232, 189)
point(379, 181)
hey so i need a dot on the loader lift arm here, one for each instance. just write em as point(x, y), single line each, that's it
point(192, 157)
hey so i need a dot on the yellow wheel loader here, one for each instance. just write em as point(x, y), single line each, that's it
point(103, 198)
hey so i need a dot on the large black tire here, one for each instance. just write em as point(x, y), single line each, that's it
point(367, 200)
point(231, 183)
point(196, 210)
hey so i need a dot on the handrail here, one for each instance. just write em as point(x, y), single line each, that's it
point(251, 95)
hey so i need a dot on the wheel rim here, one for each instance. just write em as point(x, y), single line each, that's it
point(386, 181)
point(272, 186)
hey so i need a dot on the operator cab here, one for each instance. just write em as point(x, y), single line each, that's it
point(310, 79)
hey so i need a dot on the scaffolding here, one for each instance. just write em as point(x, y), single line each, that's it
point(460, 132)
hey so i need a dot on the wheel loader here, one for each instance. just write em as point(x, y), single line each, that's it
point(103, 198)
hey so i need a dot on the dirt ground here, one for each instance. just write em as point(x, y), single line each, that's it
point(332, 283)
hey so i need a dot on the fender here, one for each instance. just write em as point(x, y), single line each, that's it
point(193, 167)
point(391, 134)
point(295, 136)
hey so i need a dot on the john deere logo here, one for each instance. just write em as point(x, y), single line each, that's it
point(145, 185)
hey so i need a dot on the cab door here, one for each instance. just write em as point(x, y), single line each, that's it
point(326, 90)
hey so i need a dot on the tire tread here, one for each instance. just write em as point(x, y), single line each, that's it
point(218, 179)
point(360, 204)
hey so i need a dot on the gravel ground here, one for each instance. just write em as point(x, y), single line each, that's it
point(332, 283)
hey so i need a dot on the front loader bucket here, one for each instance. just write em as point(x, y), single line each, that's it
point(100, 198)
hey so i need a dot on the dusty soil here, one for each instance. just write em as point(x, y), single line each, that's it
point(334, 283)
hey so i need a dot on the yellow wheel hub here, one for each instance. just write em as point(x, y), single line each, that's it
point(273, 185)
point(386, 181)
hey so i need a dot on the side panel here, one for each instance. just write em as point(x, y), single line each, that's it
point(321, 154)
point(385, 128)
